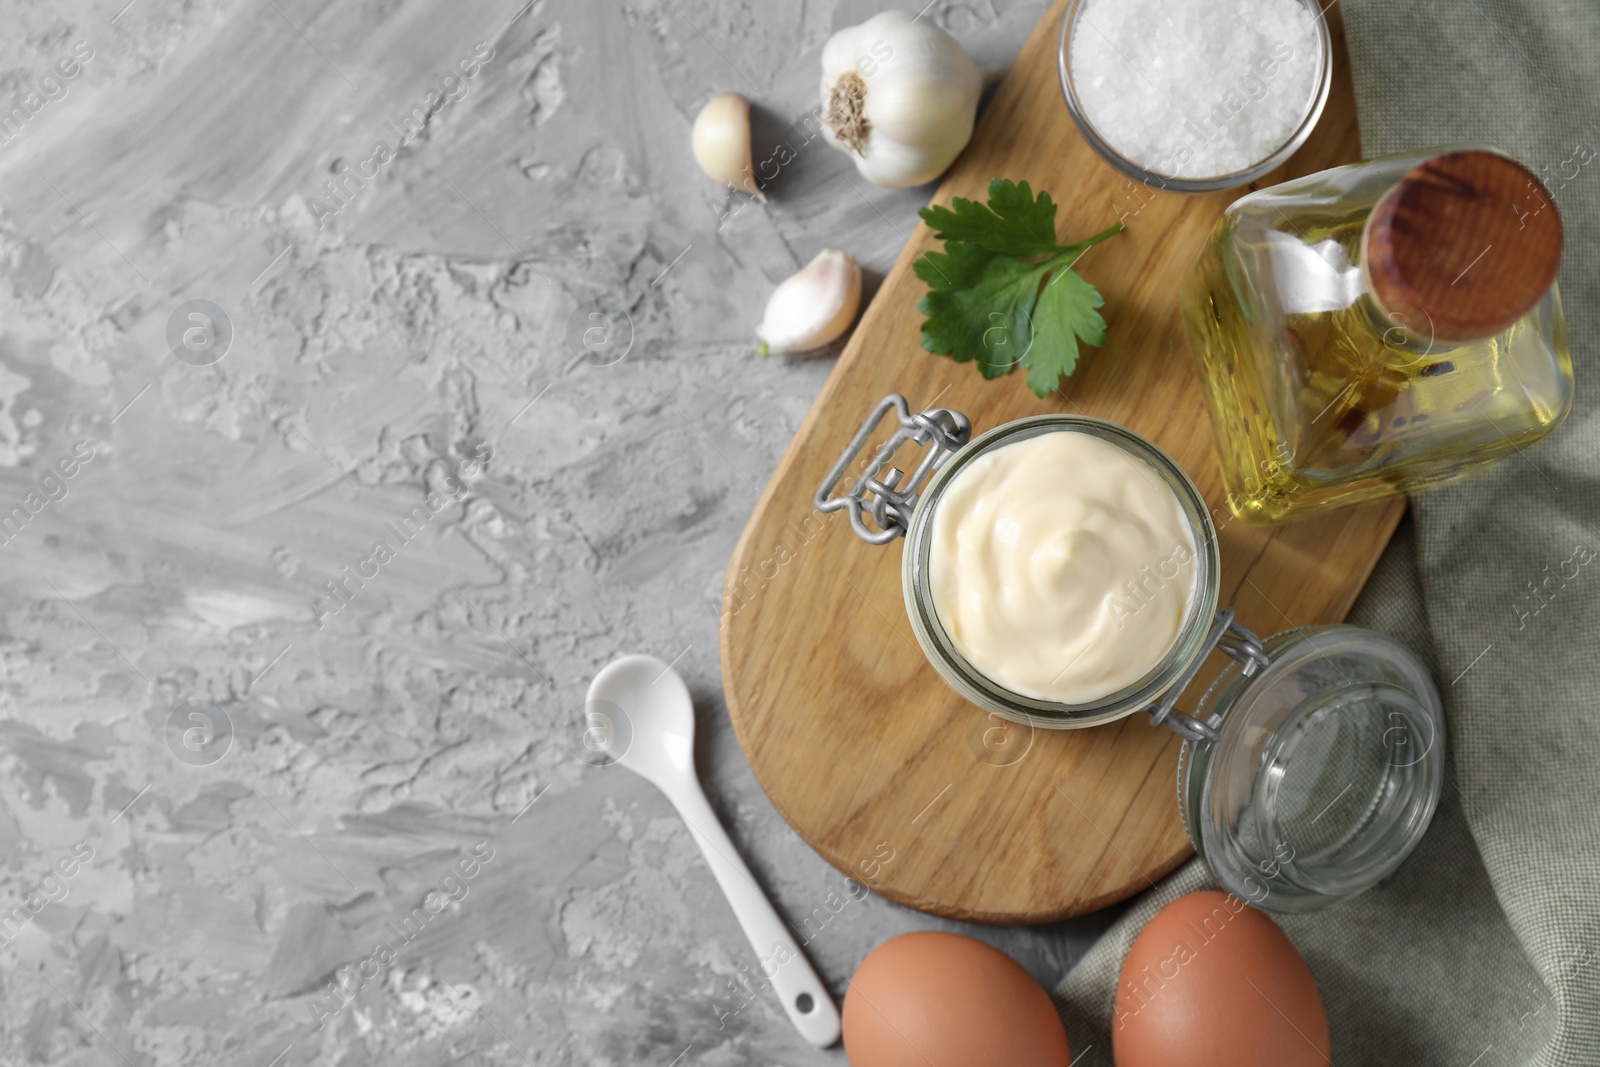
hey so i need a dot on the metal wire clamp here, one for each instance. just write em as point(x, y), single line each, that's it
point(891, 500)
point(1234, 640)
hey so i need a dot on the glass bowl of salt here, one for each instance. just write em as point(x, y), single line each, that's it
point(1195, 96)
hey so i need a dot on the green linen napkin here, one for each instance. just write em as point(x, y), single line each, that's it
point(1483, 950)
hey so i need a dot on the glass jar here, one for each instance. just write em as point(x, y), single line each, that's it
point(1190, 131)
point(1310, 768)
point(1190, 646)
point(1378, 328)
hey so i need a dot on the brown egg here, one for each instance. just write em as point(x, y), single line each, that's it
point(944, 1000)
point(1212, 982)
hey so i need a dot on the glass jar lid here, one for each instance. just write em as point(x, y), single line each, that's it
point(1325, 771)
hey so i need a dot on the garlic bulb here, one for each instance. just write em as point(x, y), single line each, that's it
point(722, 142)
point(814, 306)
point(899, 95)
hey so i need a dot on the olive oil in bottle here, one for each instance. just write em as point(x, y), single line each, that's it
point(1379, 328)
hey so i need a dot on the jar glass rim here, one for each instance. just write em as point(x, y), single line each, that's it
point(959, 673)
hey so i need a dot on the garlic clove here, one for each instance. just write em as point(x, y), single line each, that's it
point(814, 306)
point(721, 142)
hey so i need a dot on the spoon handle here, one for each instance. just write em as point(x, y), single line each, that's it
point(780, 961)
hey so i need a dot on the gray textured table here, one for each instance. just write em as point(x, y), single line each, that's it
point(294, 655)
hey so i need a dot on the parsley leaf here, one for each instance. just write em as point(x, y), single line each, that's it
point(959, 266)
point(1013, 223)
point(1003, 293)
point(1066, 315)
point(990, 320)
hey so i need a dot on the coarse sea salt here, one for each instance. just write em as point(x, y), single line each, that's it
point(1195, 88)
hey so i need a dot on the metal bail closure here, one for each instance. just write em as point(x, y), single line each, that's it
point(891, 501)
point(1235, 641)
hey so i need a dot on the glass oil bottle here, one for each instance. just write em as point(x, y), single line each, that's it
point(1379, 328)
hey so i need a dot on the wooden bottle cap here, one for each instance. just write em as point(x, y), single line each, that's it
point(1463, 246)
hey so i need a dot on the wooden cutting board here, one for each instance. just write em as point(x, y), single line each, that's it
point(876, 763)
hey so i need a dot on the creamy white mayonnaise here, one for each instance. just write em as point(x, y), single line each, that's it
point(1061, 566)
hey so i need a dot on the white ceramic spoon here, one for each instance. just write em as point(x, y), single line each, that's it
point(660, 719)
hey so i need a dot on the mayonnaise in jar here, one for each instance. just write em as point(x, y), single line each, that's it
point(1061, 566)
